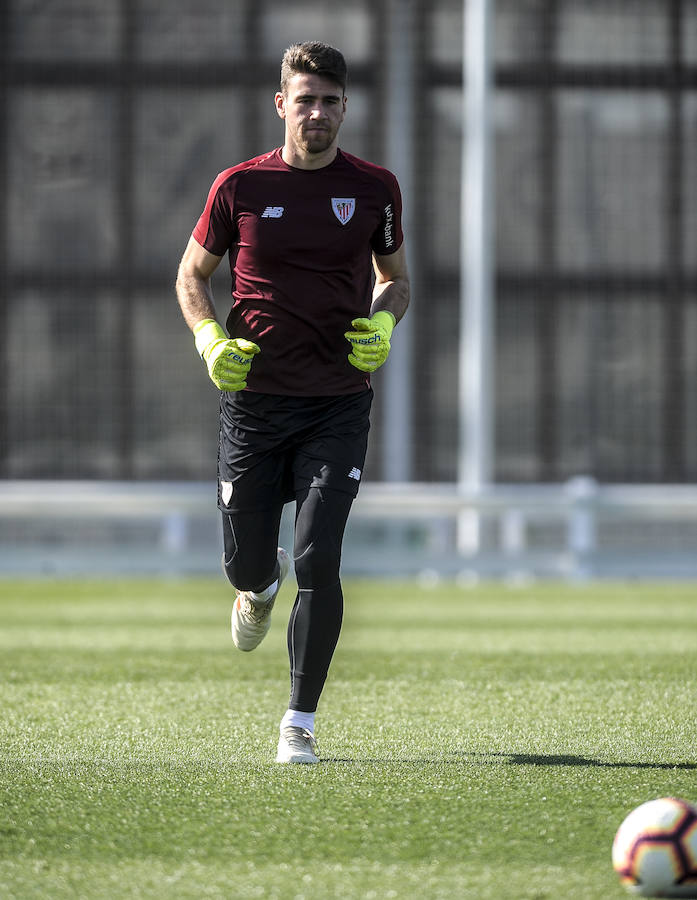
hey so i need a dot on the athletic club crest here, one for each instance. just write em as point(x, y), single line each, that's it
point(344, 208)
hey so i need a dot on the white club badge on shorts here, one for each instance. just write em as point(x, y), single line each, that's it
point(226, 492)
point(344, 208)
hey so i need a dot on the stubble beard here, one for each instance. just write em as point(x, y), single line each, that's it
point(317, 142)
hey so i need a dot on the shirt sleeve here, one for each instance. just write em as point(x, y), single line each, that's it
point(388, 236)
point(216, 230)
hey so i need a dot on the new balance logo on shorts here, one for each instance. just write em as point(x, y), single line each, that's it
point(355, 474)
point(272, 212)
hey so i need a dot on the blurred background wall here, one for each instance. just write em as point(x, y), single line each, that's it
point(116, 115)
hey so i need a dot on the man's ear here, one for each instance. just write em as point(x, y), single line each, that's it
point(280, 102)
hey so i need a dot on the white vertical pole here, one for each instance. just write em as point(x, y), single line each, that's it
point(401, 66)
point(476, 266)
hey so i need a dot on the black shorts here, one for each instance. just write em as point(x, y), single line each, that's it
point(272, 447)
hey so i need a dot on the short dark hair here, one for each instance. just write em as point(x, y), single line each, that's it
point(313, 58)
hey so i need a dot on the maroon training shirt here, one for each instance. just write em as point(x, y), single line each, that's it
point(300, 244)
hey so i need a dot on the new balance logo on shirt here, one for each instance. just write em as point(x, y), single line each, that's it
point(355, 474)
point(272, 212)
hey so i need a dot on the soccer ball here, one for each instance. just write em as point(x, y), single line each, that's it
point(655, 849)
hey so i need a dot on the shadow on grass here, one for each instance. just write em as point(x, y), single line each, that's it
point(537, 759)
point(515, 759)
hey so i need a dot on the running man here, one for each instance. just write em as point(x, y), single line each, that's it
point(319, 280)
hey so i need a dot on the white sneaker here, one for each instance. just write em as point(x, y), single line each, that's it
point(296, 745)
point(250, 621)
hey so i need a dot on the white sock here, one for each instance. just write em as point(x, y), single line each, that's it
point(265, 595)
point(299, 719)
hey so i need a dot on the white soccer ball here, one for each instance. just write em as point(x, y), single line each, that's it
point(655, 849)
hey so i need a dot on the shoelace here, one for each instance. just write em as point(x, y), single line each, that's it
point(257, 612)
point(298, 738)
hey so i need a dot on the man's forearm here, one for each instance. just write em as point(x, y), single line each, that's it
point(195, 298)
point(392, 296)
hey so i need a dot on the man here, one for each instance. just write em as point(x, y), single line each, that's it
point(305, 228)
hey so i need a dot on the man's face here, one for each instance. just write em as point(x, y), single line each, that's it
point(313, 109)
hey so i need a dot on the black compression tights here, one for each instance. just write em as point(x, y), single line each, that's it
point(315, 620)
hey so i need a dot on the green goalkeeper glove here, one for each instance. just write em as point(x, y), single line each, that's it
point(228, 359)
point(370, 340)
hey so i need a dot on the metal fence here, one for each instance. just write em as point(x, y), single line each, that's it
point(573, 531)
point(115, 116)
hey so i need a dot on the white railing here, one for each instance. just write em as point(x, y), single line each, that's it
point(575, 530)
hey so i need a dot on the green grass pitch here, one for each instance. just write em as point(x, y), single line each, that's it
point(477, 743)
